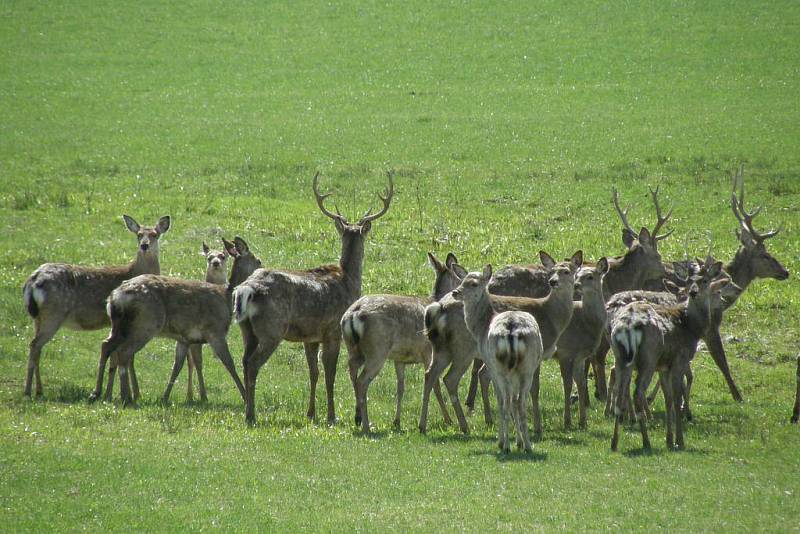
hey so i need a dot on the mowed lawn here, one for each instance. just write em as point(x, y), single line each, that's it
point(505, 124)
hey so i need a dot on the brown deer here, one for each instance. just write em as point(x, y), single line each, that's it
point(304, 306)
point(582, 337)
point(188, 311)
point(454, 346)
point(59, 294)
point(651, 337)
point(510, 344)
point(377, 328)
point(216, 273)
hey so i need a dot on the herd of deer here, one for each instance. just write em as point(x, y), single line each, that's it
point(651, 313)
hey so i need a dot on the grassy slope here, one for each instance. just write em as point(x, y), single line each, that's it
point(505, 125)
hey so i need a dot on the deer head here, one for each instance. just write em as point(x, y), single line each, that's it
point(753, 253)
point(147, 236)
point(643, 245)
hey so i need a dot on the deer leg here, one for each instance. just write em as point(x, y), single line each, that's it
point(620, 378)
point(583, 391)
point(451, 382)
point(189, 373)
point(438, 363)
point(522, 403)
point(537, 412)
point(651, 397)
point(796, 410)
point(400, 371)
point(686, 410)
point(181, 350)
point(503, 407)
point(220, 348)
point(473, 385)
point(566, 379)
point(598, 361)
point(611, 400)
point(717, 351)
point(254, 358)
point(355, 361)
point(486, 381)
point(330, 358)
point(666, 385)
point(676, 376)
point(108, 346)
point(112, 371)
point(196, 356)
point(371, 369)
point(437, 391)
point(643, 378)
point(45, 329)
point(312, 359)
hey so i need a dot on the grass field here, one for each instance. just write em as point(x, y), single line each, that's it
point(505, 125)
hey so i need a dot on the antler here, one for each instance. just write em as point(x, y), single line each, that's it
point(660, 219)
point(386, 198)
point(321, 201)
point(745, 217)
point(623, 214)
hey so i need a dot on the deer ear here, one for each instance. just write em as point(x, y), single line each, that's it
point(230, 248)
point(644, 236)
point(714, 270)
point(602, 265)
point(132, 225)
point(435, 263)
point(366, 227)
point(546, 259)
point(450, 259)
point(163, 224)
point(577, 260)
point(487, 271)
point(205, 249)
point(241, 245)
point(459, 271)
point(628, 237)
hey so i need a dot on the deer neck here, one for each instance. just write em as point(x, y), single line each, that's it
point(144, 264)
point(741, 269)
point(594, 307)
point(557, 311)
point(478, 314)
point(215, 277)
point(697, 316)
point(622, 275)
point(351, 262)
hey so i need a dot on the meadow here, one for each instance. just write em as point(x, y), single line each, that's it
point(505, 125)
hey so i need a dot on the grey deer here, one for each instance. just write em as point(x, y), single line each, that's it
point(188, 311)
point(651, 337)
point(377, 328)
point(305, 306)
point(455, 347)
point(60, 294)
point(510, 344)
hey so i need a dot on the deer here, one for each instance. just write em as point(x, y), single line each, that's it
point(305, 306)
point(454, 346)
point(582, 336)
point(188, 311)
point(796, 410)
point(510, 344)
point(640, 263)
point(74, 296)
point(652, 337)
point(672, 296)
point(751, 261)
point(216, 273)
point(377, 328)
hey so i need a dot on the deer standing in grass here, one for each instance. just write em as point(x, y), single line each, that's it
point(510, 344)
point(377, 328)
point(453, 345)
point(59, 294)
point(305, 306)
point(651, 337)
point(216, 273)
point(188, 311)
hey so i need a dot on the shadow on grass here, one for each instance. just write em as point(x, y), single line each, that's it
point(514, 456)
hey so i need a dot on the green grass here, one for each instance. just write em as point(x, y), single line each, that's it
point(505, 126)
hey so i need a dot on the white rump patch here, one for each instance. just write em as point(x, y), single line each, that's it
point(242, 296)
point(357, 325)
point(502, 345)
